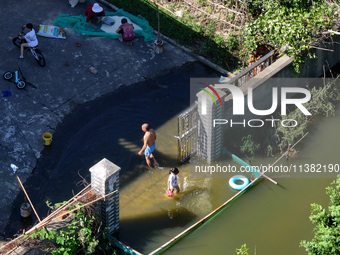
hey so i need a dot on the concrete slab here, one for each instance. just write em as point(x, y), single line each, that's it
point(60, 88)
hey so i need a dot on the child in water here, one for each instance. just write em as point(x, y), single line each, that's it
point(172, 180)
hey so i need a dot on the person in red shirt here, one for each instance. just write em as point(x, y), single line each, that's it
point(94, 11)
point(126, 31)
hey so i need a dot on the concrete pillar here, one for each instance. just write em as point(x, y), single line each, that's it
point(104, 180)
point(210, 139)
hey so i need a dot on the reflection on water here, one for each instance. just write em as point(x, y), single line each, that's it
point(110, 127)
point(271, 218)
point(146, 211)
point(148, 217)
point(268, 217)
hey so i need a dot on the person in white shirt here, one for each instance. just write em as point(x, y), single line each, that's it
point(172, 180)
point(31, 39)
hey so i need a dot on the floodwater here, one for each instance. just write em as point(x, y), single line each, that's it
point(110, 127)
point(270, 219)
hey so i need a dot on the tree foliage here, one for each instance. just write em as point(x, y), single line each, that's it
point(249, 147)
point(270, 140)
point(77, 238)
point(326, 239)
point(243, 250)
point(293, 23)
point(322, 103)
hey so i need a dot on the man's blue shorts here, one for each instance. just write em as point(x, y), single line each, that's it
point(149, 150)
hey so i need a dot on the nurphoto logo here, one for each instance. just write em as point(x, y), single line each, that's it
point(239, 104)
point(238, 100)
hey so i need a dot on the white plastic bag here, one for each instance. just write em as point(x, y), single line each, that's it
point(73, 3)
point(108, 21)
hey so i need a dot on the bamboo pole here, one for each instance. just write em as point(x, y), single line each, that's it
point(201, 221)
point(89, 203)
point(335, 32)
point(157, 4)
point(299, 140)
point(59, 209)
point(318, 48)
point(207, 217)
point(270, 179)
point(284, 154)
point(68, 203)
point(159, 26)
point(45, 221)
point(28, 198)
point(42, 224)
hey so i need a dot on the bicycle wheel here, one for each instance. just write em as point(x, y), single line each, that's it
point(21, 84)
point(17, 42)
point(8, 75)
point(39, 57)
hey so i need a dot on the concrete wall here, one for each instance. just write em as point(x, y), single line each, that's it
point(105, 183)
point(209, 139)
point(279, 74)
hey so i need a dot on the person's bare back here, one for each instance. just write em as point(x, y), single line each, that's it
point(150, 137)
point(149, 145)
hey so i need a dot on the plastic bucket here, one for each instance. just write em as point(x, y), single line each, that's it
point(47, 138)
point(158, 46)
point(25, 210)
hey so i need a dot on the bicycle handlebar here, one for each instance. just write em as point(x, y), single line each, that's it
point(22, 30)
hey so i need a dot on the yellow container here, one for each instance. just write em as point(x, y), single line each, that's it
point(47, 138)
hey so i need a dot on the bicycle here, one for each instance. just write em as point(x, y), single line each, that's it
point(19, 79)
point(34, 50)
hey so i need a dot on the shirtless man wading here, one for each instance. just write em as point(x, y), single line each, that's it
point(149, 144)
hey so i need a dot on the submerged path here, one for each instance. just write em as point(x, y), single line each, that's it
point(59, 88)
point(109, 127)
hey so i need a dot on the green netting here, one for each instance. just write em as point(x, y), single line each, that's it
point(80, 26)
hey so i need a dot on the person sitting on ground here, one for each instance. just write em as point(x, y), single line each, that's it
point(94, 11)
point(126, 31)
point(31, 39)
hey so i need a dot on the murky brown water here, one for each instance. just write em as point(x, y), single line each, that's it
point(270, 219)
